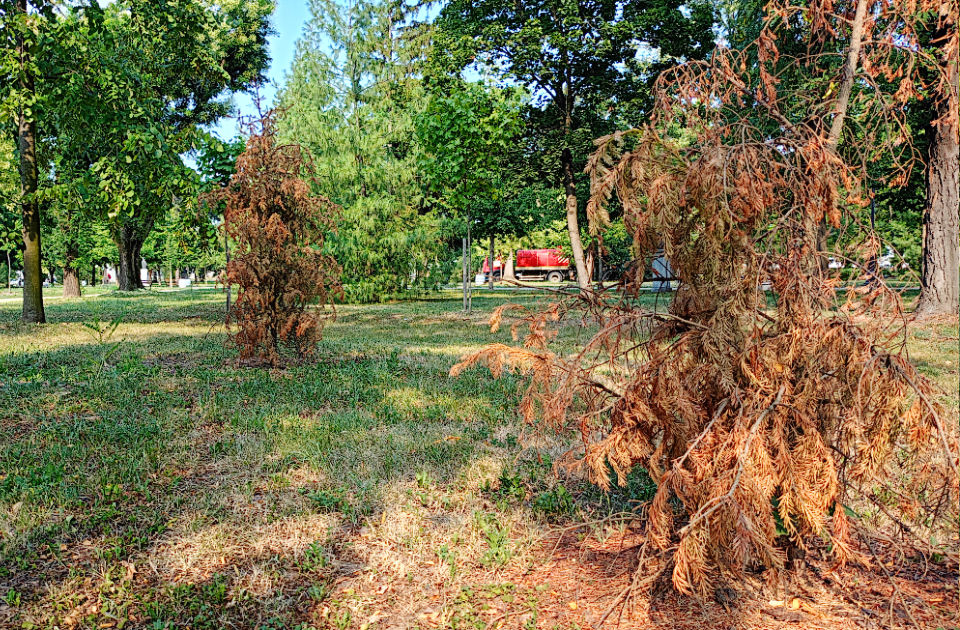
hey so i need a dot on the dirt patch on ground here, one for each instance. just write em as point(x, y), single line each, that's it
point(585, 582)
point(579, 583)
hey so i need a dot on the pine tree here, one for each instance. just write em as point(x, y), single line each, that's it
point(349, 100)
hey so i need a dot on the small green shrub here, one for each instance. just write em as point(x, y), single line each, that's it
point(496, 534)
point(555, 502)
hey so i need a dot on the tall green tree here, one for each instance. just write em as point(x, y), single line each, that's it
point(350, 99)
point(133, 85)
point(23, 34)
point(466, 130)
point(583, 60)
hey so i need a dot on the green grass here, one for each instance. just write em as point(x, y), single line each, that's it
point(143, 439)
point(146, 480)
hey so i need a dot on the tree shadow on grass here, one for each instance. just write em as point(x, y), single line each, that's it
point(172, 488)
point(142, 307)
point(113, 460)
point(198, 494)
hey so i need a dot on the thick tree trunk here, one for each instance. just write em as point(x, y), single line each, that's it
point(71, 276)
point(490, 261)
point(940, 280)
point(573, 223)
point(26, 142)
point(128, 271)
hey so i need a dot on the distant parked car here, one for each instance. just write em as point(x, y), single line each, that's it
point(886, 261)
point(17, 282)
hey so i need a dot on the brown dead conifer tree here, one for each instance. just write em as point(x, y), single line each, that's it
point(277, 225)
point(765, 418)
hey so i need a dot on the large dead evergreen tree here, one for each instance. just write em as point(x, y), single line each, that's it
point(762, 417)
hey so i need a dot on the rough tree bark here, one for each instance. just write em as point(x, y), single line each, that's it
point(564, 98)
point(129, 244)
point(71, 275)
point(27, 145)
point(573, 223)
point(940, 278)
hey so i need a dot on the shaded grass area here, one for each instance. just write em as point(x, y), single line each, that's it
point(140, 443)
point(146, 480)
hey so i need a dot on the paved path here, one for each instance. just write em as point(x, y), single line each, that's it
point(20, 299)
point(48, 297)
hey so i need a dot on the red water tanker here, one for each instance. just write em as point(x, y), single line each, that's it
point(542, 264)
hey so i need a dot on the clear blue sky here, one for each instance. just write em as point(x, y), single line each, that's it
point(288, 22)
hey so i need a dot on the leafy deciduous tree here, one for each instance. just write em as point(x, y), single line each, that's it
point(23, 29)
point(132, 85)
point(579, 58)
point(466, 130)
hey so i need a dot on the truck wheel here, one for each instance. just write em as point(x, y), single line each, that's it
point(554, 276)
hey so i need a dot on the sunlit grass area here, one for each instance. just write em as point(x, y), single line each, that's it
point(148, 480)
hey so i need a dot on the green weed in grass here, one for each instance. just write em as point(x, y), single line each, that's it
point(497, 537)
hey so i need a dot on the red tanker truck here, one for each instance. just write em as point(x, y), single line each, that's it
point(536, 264)
point(542, 264)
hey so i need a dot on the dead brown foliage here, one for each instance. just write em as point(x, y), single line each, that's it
point(764, 425)
point(278, 225)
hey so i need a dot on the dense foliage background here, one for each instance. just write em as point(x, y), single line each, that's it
point(427, 125)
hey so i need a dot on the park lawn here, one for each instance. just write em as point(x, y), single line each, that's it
point(147, 480)
point(145, 476)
